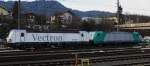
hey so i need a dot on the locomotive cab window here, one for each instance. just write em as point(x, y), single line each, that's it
point(98, 34)
point(82, 35)
point(22, 34)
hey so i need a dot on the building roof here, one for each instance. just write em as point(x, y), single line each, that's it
point(3, 8)
point(4, 11)
point(62, 12)
point(131, 25)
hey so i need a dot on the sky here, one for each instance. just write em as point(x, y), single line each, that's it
point(141, 7)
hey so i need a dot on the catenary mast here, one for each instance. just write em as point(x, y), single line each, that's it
point(19, 13)
point(119, 14)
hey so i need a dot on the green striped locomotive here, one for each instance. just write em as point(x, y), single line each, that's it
point(100, 37)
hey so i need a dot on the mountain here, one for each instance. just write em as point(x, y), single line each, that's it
point(43, 7)
point(38, 7)
point(92, 13)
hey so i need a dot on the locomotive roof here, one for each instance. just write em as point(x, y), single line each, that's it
point(119, 32)
point(58, 31)
point(53, 31)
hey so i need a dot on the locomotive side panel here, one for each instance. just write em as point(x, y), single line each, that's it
point(68, 37)
point(99, 37)
point(122, 37)
point(44, 37)
point(119, 37)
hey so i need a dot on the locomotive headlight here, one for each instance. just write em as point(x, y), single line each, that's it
point(9, 40)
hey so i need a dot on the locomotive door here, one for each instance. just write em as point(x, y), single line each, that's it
point(84, 36)
point(22, 37)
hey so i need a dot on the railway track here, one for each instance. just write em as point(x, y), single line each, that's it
point(23, 52)
point(68, 57)
point(107, 59)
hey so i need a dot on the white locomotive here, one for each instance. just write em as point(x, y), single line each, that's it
point(22, 37)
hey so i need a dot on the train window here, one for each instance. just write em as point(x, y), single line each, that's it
point(22, 34)
point(98, 34)
point(82, 35)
